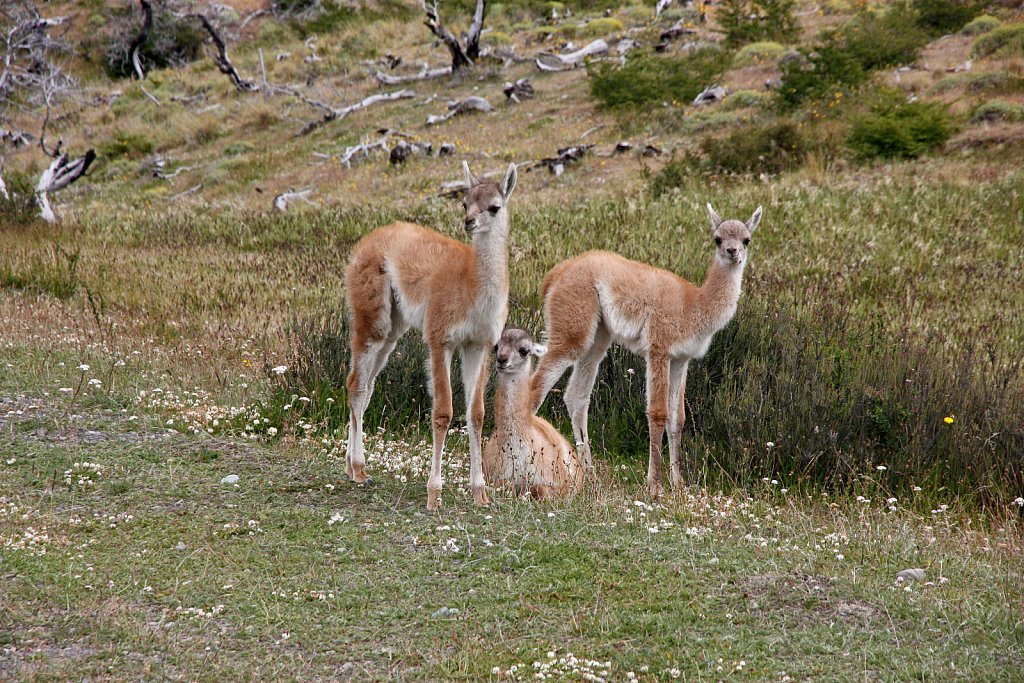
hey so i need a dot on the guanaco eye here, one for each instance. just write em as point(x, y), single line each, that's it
point(524, 352)
point(494, 210)
point(718, 241)
point(746, 241)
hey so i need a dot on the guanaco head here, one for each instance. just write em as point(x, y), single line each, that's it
point(485, 202)
point(514, 349)
point(732, 237)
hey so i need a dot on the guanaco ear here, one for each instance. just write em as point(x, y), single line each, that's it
point(754, 221)
point(471, 180)
point(509, 182)
point(716, 220)
point(539, 350)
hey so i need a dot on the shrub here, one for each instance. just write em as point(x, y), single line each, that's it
point(602, 27)
point(130, 145)
point(818, 75)
point(174, 39)
point(989, 82)
point(496, 38)
point(19, 207)
point(741, 99)
point(1004, 41)
point(946, 16)
point(879, 40)
point(997, 110)
point(899, 129)
point(749, 20)
point(980, 25)
point(760, 148)
point(646, 79)
point(758, 53)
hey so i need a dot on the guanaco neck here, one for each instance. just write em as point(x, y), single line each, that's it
point(490, 251)
point(510, 402)
point(717, 298)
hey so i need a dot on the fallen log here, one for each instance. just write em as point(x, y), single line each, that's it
point(424, 75)
point(335, 114)
point(456, 107)
point(522, 89)
point(549, 61)
point(281, 201)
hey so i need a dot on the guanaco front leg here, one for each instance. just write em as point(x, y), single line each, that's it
point(474, 381)
point(676, 419)
point(441, 389)
point(657, 416)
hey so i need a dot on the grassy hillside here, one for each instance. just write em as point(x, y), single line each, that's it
point(860, 416)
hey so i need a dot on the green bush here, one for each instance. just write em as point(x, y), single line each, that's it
point(980, 25)
point(131, 145)
point(946, 16)
point(174, 39)
point(647, 79)
point(877, 40)
point(997, 110)
point(818, 75)
point(1004, 41)
point(19, 207)
point(602, 27)
point(988, 82)
point(758, 53)
point(899, 129)
point(759, 148)
point(745, 21)
point(741, 99)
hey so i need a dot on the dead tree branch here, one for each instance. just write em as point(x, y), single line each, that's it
point(549, 61)
point(140, 40)
point(336, 114)
point(424, 75)
point(456, 107)
point(281, 200)
point(475, 29)
point(61, 173)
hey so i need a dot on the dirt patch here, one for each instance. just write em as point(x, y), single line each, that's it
point(807, 594)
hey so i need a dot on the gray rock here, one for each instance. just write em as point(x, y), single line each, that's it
point(93, 437)
point(444, 612)
point(910, 575)
point(181, 546)
point(231, 479)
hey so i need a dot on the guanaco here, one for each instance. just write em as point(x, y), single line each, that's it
point(598, 298)
point(403, 276)
point(525, 453)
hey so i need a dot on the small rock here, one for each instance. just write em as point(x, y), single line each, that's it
point(93, 437)
point(444, 612)
point(181, 546)
point(754, 606)
point(910, 575)
point(711, 94)
point(231, 479)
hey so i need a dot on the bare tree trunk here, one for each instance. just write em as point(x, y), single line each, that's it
point(473, 37)
point(221, 58)
point(140, 40)
point(459, 57)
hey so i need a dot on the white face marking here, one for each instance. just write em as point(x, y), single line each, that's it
point(731, 241)
point(485, 208)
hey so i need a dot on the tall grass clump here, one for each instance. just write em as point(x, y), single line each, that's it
point(19, 206)
point(758, 148)
point(647, 79)
point(54, 272)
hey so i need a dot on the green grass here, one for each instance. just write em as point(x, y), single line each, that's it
point(284, 576)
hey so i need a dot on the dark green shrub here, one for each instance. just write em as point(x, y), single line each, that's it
point(878, 40)
point(647, 79)
point(946, 16)
point(980, 25)
point(174, 39)
point(898, 129)
point(818, 75)
point(131, 145)
point(1005, 41)
point(19, 207)
point(760, 148)
point(676, 174)
point(747, 21)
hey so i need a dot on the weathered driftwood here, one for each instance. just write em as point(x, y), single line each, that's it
point(59, 174)
point(549, 61)
point(677, 30)
point(3, 189)
point(424, 75)
point(522, 89)
point(15, 138)
point(461, 56)
point(661, 7)
point(407, 148)
point(281, 201)
point(221, 57)
point(366, 148)
point(710, 95)
point(139, 40)
point(333, 114)
point(456, 107)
